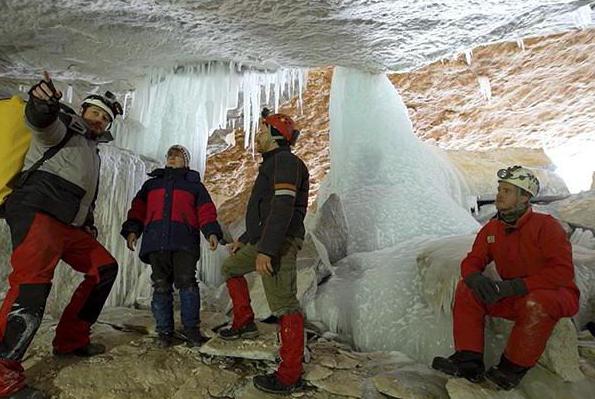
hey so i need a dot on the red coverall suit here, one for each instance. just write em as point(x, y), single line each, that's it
point(536, 250)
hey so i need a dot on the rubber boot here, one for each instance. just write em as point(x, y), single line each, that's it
point(506, 375)
point(464, 364)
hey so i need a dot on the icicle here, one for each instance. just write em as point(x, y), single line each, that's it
point(188, 104)
point(69, 94)
point(468, 56)
point(301, 76)
point(520, 43)
point(484, 87)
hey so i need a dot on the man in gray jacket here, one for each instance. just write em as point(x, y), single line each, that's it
point(50, 215)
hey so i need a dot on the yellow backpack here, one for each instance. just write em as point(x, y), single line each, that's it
point(15, 139)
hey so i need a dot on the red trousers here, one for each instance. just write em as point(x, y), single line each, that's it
point(534, 316)
point(34, 258)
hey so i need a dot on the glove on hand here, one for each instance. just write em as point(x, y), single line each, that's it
point(483, 287)
point(507, 288)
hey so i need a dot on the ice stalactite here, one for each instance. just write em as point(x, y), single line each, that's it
point(186, 105)
point(468, 56)
point(485, 89)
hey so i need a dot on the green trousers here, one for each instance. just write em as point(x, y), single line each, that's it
point(280, 288)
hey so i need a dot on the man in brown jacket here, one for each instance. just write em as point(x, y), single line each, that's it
point(273, 237)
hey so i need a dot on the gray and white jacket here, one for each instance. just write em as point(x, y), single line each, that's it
point(65, 186)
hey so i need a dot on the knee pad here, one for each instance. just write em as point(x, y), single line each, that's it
point(24, 320)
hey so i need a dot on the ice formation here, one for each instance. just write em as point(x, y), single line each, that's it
point(396, 192)
point(392, 186)
point(574, 161)
point(187, 105)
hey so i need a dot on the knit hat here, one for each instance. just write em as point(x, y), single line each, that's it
point(183, 150)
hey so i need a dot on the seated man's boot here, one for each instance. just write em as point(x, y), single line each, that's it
point(506, 375)
point(270, 383)
point(465, 364)
point(89, 350)
point(246, 332)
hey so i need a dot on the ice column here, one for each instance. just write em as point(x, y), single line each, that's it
point(392, 186)
point(396, 192)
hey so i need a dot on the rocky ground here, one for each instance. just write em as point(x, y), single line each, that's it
point(134, 367)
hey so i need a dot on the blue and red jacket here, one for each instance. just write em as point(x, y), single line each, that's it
point(171, 209)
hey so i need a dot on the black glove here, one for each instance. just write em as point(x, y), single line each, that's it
point(483, 287)
point(514, 287)
point(48, 88)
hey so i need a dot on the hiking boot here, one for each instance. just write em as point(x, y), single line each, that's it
point(164, 340)
point(27, 393)
point(248, 331)
point(464, 364)
point(193, 336)
point(269, 383)
point(506, 375)
point(89, 350)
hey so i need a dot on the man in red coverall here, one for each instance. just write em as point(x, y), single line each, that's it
point(534, 259)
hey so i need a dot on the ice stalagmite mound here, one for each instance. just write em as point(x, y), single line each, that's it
point(395, 192)
point(392, 186)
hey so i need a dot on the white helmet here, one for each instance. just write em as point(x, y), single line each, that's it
point(520, 177)
point(107, 102)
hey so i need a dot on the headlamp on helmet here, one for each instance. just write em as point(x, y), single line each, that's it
point(520, 177)
point(107, 102)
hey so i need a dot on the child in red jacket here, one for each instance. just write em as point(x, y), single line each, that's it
point(171, 209)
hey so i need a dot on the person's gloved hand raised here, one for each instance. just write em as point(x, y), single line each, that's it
point(45, 90)
point(483, 287)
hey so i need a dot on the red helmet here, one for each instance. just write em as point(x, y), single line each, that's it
point(284, 125)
